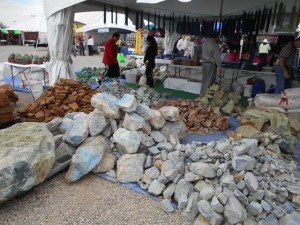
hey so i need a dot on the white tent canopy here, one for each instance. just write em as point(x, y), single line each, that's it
point(97, 21)
point(34, 24)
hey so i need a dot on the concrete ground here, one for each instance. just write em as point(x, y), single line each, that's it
point(91, 200)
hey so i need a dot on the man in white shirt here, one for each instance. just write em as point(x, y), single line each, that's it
point(181, 45)
point(90, 44)
point(263, 50)
point(211, 60)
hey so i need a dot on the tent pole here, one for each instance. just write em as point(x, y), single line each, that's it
point(221, 9)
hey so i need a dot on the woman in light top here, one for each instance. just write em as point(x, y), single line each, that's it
point(263, 51)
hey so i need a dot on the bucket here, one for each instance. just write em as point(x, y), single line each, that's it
point(239, 89)
point(247, 90)
point(36, 88)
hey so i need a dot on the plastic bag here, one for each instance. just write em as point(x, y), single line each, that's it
point(143, 81)
point(121, 58)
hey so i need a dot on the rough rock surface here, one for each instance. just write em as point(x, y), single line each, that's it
point(128, 141)
point(107, 104)
point(27, 154)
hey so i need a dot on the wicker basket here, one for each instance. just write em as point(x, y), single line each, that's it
point(187, 63)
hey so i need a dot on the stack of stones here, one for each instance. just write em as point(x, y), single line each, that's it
point(7, 100)
point(65, 97)
point(226, 182)
point(144, 95)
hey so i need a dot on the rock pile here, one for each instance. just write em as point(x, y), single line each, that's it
point(65, 97)
point(7, 98)
point(226, 182)
point(198, 118)
point(228, 103)
point(144, 95)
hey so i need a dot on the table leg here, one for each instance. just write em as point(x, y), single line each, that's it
point(232, 79)
point(12, 75)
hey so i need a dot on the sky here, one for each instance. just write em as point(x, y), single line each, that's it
point(19, 10)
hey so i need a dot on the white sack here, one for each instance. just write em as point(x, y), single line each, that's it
point(291, 93)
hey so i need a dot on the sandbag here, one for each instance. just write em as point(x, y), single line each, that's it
point(290, 103)
point(267, 100)
point(291, 93)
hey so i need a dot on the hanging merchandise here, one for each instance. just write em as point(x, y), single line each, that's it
point(280, 10)
point(164, 22)
point(268, 20)
point(188, 29)
point(155, 19)
point(170, 24)
point(298, 17)
point(112, 14)
point(138, 42)
point(292, 19)
point(242, 26)
point(104, 14)
point(282, 17)
point(137, 20)
point(252, 23)
point(158, 21)
point(142, 20)
point(258, 22)
point(148, 18)
point(248, 24)
point(116, 15)
point(126, 16)
point(274, 15)
point(263, 19)
point(184, 25)
point(173, 23)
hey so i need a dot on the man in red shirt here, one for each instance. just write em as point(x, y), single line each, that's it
point(110, 56)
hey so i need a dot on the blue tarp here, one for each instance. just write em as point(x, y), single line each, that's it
point(8, 79)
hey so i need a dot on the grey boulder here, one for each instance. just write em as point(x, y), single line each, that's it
point(128, 141)
point(107, 104)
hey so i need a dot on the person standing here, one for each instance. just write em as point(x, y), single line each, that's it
point(81, 45)
point(180, 46)
point(284, 68)
point(211, 60)
point(110, 56)
point(149, 59)
point(90, 44)
point(263, 51)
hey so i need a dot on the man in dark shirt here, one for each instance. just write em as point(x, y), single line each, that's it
point(284, 69)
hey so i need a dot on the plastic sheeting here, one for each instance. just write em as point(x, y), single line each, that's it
point(60, 31)
point(170, 39)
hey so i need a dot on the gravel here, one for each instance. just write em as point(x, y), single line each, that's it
point(91, 200)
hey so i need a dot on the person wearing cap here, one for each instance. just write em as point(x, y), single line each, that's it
point(284, 68)
point(263, 51)
point(211, 61)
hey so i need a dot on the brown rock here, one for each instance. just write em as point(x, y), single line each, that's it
point(7, 109)
point(40, 114)
point(6, 117)
point(74, 106)
point(158, 163)
point(234, 135)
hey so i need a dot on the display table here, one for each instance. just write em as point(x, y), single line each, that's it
point(182, 85)
point(179, 68)
point(22, 68)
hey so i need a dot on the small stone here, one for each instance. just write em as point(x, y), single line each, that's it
point(145, 112)
point(165, 146)
point(290, 219)
point(171, 174)
point(54, 124)
point(183, 187)
point(128, 141)
point(208, 213)
point(154, 150)
point(106, 164)
point(133, 122)
point(294, 189)
point(270, 220)
point(287, 208)
point(266, 206)
point(249, 221)
point(170, 113)
point(241, 185)
point(127, 103)
point(130, 167)
point(254, 208)
point(156, 188)
point(176, 129)
point(191, 210)
point(107, 132)
point(191, 177)
point(241, 197)
point(178, 178)
point(158, 163)
point(168, 193)
point(58, 140)
point(157, 121)
point(216, 205)
point(251, 181)
point(97, 123)
point(157, 136)
point(201, 221)
point(111, 173)
point(182, 201)
point(243, 162)
point(78, 132)
point(234, 212)
point(113, 124)
point(207, 193)
point(152, 172)
point(166, 206)
point(203, 169)
point(222, 197)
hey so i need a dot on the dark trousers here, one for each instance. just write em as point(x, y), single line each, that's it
point(81, 47)
point(263, 58)
point(91, 50)
point(113, 71)
point(149, 76)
